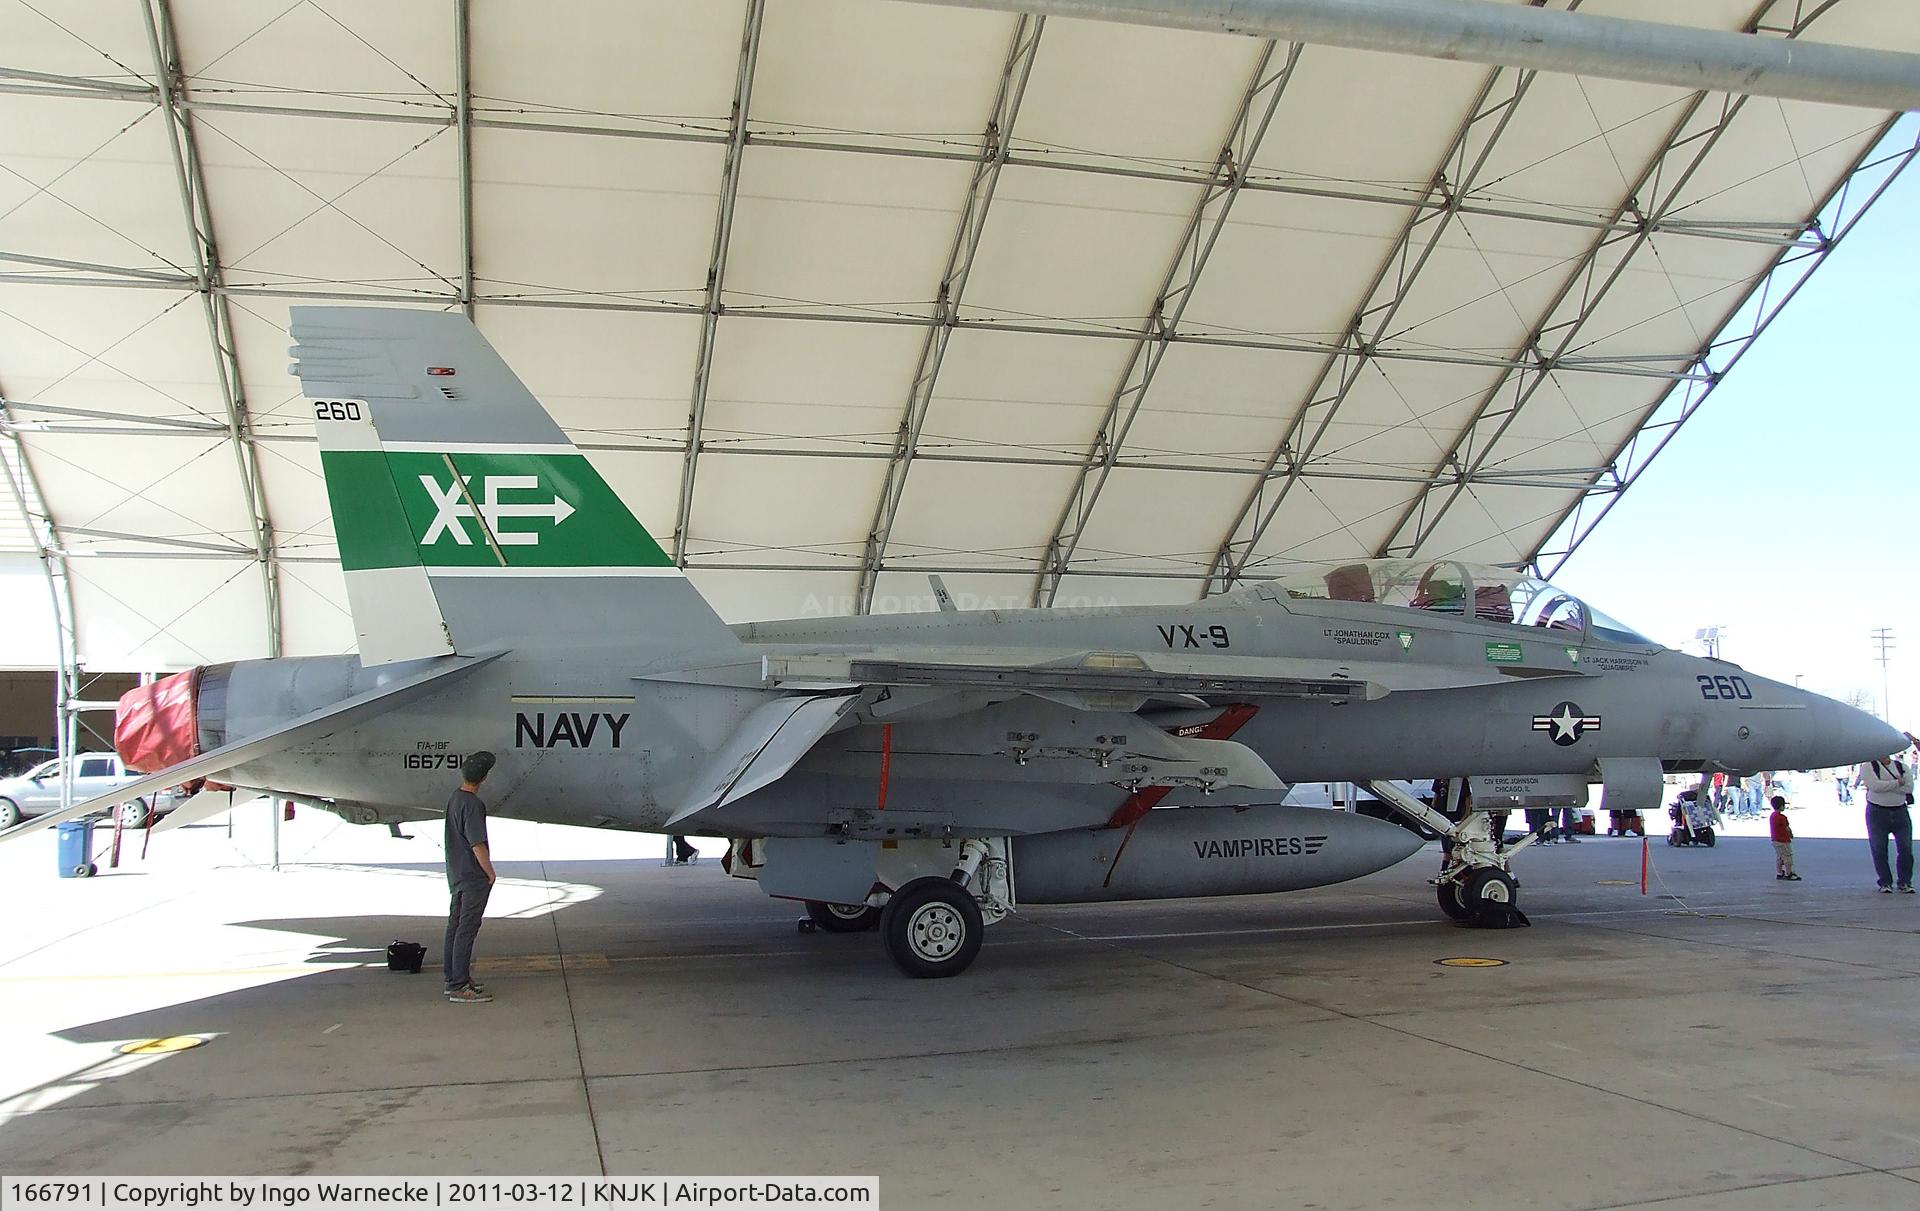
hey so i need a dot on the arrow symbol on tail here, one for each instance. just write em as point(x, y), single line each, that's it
point(556, 510)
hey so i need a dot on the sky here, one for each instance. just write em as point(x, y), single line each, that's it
point(1787, 510)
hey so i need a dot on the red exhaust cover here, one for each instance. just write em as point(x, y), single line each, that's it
point(158, 725)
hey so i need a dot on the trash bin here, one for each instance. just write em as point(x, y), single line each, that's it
point(76, 849)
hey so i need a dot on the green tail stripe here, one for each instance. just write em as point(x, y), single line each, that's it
point(368, 521)
point(398, 508)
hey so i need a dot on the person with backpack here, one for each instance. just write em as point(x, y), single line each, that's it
point(1889, 786)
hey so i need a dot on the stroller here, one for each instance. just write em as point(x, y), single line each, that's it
point(1693, 820)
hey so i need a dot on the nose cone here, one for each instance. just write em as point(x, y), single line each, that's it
point(1845, 735)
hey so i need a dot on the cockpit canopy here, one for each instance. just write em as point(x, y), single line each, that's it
point(1449, 586)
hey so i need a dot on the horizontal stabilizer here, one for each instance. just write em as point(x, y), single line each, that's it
point(313, 726)
point(204, 805)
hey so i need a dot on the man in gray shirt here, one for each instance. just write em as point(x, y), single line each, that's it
point(470, 878)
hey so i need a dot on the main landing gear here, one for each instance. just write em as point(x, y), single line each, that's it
point(843, 918)
point(931, 899)
point(1476, 886)
point(931, 928)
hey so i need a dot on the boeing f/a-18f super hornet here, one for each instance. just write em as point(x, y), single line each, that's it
point(925, 772)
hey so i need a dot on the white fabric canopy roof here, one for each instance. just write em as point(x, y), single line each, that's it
point(842, 292)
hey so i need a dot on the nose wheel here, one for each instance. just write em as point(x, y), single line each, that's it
point(1484, 896)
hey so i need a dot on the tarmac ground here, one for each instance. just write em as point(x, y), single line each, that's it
point(1726, 1040)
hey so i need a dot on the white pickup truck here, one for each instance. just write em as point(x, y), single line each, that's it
point(38, 790)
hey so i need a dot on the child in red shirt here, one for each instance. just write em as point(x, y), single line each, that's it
point(1782, 840)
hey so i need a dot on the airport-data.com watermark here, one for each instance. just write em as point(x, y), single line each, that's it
point(460, 1193)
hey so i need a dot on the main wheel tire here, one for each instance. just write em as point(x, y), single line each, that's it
point(1450, 902)
point(1489, 888)
point(932, 928)
point(84, 871)
point(1706, 837)
point(1673, 838)
point(843, 918)
point(9, 813)
point(135, 813)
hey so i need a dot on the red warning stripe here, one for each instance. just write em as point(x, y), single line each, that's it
point(1144, 800)
point(1221, 727)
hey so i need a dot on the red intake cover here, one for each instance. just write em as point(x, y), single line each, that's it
point(158, 725)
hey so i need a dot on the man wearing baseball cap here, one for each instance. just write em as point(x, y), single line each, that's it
point(470, 878)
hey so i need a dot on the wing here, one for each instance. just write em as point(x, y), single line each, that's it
point(309, 727)
point(1127, 680)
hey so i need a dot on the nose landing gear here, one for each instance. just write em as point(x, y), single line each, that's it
point(1476, 887)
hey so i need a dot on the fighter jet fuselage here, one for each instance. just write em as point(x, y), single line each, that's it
point(595, 737)
point(923, 772)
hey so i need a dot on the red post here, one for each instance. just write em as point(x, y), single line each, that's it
point(1643, 864)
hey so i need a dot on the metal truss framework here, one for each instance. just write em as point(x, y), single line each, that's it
point(1665, 176)
point(14, 81)
point(136, 279)
point(207, 279)
point(717, 269)
point(1792, 270)
point(995, 145)
point(82, 421)
point(1367, 341)
point(1150, 345)
point(24, 489)
point(1453, 181)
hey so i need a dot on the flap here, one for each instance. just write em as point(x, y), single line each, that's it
point(768, 742)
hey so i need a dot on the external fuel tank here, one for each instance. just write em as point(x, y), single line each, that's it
point(1206, 851)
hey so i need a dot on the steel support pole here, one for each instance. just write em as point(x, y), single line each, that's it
point(1156, 335)
point(1536, 39)
point(191, 180)
point(463, 123)
point(717, 270)
point(24, 488)
point(995, 145)
point(1457, 175)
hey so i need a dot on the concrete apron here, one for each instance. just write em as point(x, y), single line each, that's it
point(1286, 1050)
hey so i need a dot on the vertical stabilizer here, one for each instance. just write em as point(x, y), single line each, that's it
point(465, 517)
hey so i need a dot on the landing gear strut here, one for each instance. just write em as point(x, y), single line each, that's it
point(932, 925)
point(1475, 888)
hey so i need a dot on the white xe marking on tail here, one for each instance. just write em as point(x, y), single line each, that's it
point(450, 511)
